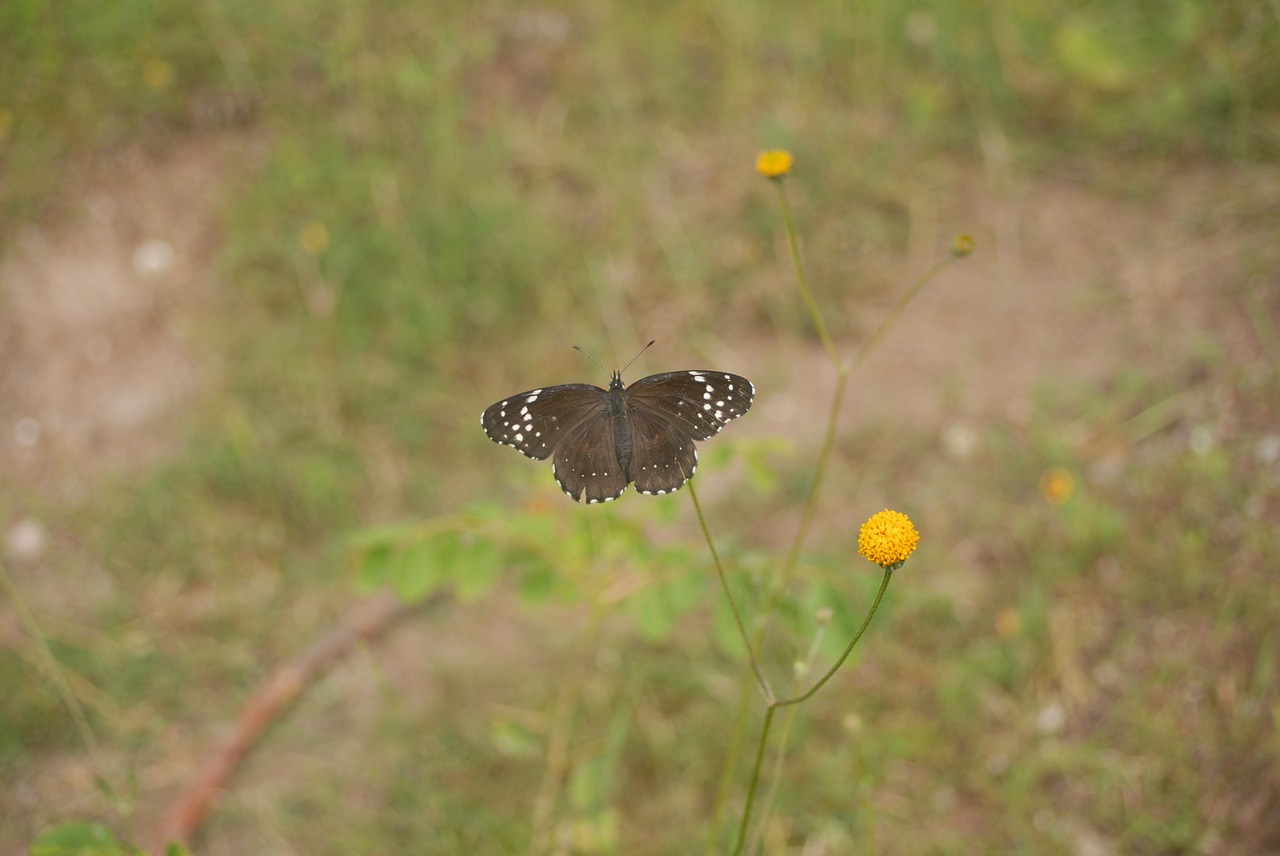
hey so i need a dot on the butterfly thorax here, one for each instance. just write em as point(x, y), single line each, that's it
point(618, 412)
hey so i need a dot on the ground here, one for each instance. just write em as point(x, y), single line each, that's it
point(1077, 277)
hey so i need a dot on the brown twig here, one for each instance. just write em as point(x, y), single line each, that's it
point(189, 809)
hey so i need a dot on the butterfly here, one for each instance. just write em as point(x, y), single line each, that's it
point(601, 440)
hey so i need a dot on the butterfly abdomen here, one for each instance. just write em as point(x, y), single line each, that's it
point(621, 424)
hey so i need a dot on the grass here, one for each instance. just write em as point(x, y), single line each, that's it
point(497, 182)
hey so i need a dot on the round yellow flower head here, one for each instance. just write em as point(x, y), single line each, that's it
point(157, 73)
point(774, 163)
point(314, 237)
point(962, 246)
point(887, 539)
point(1057, 486)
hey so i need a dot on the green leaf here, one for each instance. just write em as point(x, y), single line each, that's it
point(653, 613)
point(514, 739)
point(480, 563)
point(424, 566)
point(80, 839)
point(539, 583)
point(375, 568)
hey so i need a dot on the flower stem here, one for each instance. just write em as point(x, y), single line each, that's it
point(897, 309)
point(765, 689)
point(837, 399)
point(793, 244)
point(775, 704)
point(884, 584)
point(755, 778)
point(811, 504)
point(51, 666)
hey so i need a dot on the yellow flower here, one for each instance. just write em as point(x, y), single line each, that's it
point(314, 237)
point(1008, 623)
point(887, 539)
point(1057, 486)
point(963, 245)
point(774, 163)
point(156, 73)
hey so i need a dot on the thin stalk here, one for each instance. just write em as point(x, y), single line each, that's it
point(833, 417)
point(788, 722)
point(730, 762)
point(559, 741)
point(811, 503)
point(884, 584)
point(897, 310)
point(793, 244)
point(763, 684)
point(50, 663)
point(774, 705)
point(755, 778)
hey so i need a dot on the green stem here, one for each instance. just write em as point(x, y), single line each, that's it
point(788, 722)
point(774, 705)
point(731, 761)
point(765, 689)
point(560, 737)
point(50, 663)
point(811, 503)
point(755, 778)
point(884, 584)
point(897, 310)
point(793, 244)
point(833, 417)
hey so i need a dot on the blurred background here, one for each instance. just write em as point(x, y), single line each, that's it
point(262, 265)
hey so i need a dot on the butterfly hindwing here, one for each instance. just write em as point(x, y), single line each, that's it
point(586, 462)
point(663, 457)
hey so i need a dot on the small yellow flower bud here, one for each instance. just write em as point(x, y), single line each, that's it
point(1057, 486)
point(156, 73)
point(962, 246)
point(314, 238)
point(774, 163)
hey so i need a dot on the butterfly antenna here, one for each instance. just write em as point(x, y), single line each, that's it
point(637, 356)
point(593, 359)
point(624, 368)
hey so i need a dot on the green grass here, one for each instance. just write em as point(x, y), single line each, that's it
point(498, 182)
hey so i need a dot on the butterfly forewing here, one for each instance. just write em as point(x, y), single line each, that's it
point(697, 403)
point(534, 422)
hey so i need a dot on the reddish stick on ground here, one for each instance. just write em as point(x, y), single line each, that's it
point(190, 808)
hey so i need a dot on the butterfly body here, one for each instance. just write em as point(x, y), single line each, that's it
point(601, 440)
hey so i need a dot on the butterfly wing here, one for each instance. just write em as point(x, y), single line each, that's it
point(534, 423)
point(698, 402)
point(571, 422)
point(662, 454)
point(667, 412)
point(586, 462)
